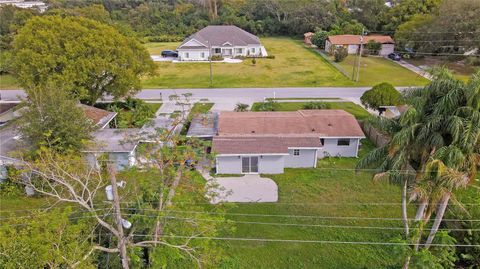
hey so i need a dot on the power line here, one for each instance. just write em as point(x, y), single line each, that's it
point(300, 224)
point(303, 241)
point(295, 216)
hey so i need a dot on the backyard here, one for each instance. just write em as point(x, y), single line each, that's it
point(305, 196)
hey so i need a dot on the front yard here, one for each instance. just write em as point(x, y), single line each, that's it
point(374, 70)
point(293, 66)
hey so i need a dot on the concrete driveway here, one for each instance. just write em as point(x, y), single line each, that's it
point(246, 189)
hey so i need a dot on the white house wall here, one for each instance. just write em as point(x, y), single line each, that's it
point(193, 55)
point(229, 165)
point(306, 158)
point(387, 49)
point(271, 164)
point(267, 164)
point(330, 148)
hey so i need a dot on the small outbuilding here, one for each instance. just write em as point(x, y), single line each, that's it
point(353, 42)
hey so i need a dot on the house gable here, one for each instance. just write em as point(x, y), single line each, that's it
point(192, 43)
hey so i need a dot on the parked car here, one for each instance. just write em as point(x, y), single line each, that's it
point(395, 56)
point(169, 53)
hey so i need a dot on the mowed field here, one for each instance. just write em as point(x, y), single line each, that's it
point(374, 70)
point(293, 66)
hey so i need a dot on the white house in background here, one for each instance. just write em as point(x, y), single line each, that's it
point(268, 142)
point(227, 41)
point(38, 5)
point(352, 43)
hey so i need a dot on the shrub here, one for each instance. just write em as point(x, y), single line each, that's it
point(241, 107)
point(319, 38)
point(372, 48)
point(216, 58)
point(131, 113)
point(267, 106)
point(383, 94)
point(254, 61)
point(164, 38)
point(315, 105)
point(340, 54)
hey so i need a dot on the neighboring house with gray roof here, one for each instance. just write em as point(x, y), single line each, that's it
point(227, 41)
point(268, 142)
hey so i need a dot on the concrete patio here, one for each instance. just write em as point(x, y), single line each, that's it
point(246, 189)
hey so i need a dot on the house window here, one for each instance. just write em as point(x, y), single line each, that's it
point(187, 55)
point(239, 51)
point(217, 50)
point(202, 54)
point(343, 142)
point(253, 50)
point(322, 141)
point(296, 152)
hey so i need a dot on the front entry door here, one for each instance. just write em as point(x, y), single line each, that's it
point(250, 164)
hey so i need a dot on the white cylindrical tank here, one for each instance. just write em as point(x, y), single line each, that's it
point(109, 192)
point(126, 224)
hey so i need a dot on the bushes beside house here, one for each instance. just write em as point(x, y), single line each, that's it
point(340, 54)
point(217, 58)
point(132, 113)
point(372, 48)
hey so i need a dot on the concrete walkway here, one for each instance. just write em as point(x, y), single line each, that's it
point(414, 69)
point(246, 189)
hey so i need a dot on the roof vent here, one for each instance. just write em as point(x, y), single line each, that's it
point(329, 124)
point(313, 129)
point(253, 132)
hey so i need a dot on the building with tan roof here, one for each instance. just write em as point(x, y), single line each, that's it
point(352, 43)
point(268, 142)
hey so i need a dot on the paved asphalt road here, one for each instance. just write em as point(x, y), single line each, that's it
point(235, 94)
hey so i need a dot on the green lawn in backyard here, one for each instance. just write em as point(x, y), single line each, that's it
point(8, 82)
point(374, 70)
point(350, 107)
point(323, 191)
point(294, 65)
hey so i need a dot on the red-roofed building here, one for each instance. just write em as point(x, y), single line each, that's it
point(268, 142)
point(352, 43)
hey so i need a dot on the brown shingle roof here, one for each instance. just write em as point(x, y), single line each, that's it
point(261, 145)
point(355, 39)
point(304, 123)
point(99, 117)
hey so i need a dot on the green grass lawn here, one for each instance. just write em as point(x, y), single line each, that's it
point(350, 107)
point(374, 70)
point(8, 82)
point(294, 65)
point(324, 191)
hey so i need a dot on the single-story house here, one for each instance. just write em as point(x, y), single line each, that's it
point(227, 41)
point(352, 43)
point(268, 142)
point(307, 38)
point(117, 144)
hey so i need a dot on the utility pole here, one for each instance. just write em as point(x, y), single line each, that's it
point(210, 60)
point(122, 243)
point(360, 54)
